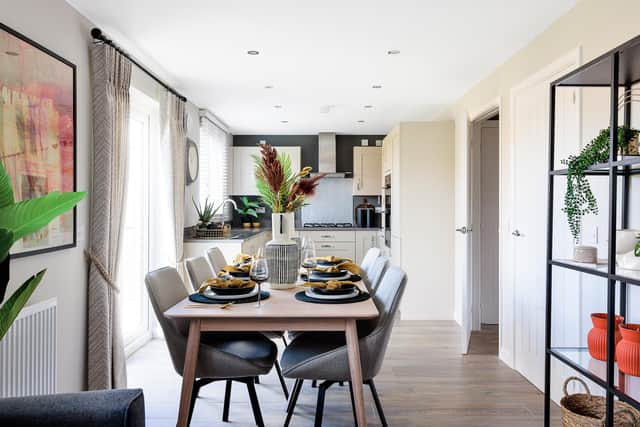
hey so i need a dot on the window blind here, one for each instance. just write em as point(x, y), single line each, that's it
point(215, 165)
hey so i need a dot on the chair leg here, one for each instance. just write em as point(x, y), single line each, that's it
point(284, 340)
point(353, 403)
point(227, 401)
point(292, 401)
point(255, 405)
point(314, 383)
point(376, 400)
point(256, 379)
point(197, 385)
point(281, 378)
point(322, 389)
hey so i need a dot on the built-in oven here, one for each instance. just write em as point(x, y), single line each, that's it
point(387, 210)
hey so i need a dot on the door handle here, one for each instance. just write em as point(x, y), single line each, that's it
point(516, 233)
point(463, 230)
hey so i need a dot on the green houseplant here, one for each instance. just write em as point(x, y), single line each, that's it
point(18, 219)
point(579, 200)
point(205, 213)
point(248, 212)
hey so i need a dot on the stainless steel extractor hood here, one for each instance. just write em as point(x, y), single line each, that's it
point(327, 156)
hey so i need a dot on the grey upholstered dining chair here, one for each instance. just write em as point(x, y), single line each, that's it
point(369, 257)
point(323, 355)
point(216, 258)
point(375, 272)
point(199, 270)
point(222, 356)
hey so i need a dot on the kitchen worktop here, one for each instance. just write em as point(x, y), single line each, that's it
point(236, 235)
point(338, 229)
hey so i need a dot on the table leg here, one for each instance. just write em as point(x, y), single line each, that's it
point(189, 372)
point(355, 368)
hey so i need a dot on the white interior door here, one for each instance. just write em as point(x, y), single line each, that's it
point(530, 136)
point(488, 222)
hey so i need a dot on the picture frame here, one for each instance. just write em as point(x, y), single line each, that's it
point(38, 115)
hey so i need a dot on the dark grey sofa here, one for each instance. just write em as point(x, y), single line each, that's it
point(104, 408)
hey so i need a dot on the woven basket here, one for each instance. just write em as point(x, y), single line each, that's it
point(585, 410)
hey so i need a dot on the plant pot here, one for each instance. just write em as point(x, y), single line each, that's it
point(628, 349)
point(282, 227)
point(246, 225)
point(597, 337)
point(255, 224)
point(282, 252)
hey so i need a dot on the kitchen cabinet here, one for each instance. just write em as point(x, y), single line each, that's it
point(333, 242)
point(387, 154)
point(243, 182)
point(367, 171)
point(229, 247)
point(365, 240)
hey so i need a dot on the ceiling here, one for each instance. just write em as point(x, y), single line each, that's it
point(323, 58)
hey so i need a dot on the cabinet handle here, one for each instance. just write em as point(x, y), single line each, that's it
point(327, 236)
point(326, 246)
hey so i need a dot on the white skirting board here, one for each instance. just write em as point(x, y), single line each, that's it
point(28, 352)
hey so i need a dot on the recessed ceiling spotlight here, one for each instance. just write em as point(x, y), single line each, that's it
point(284, 121)
point(393, 52)
point(268, 87)
point(277, 106)
point(253, 52)
point(368, 106)
point(360, 121)
point(376, 87)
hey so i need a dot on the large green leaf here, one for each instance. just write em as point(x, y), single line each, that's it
point(29, 216)
point(11, 308)
point(6, 190)
point(6, 241)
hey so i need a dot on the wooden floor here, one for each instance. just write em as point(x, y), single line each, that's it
point(424, 382)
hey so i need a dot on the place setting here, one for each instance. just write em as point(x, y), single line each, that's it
point(329, 279)
point(238, 283)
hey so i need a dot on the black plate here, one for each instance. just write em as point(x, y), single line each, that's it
point(351, 278)
point(241, 274)
point(324, 274)
point(323, 262)
point(343, 290)
point(232, 291)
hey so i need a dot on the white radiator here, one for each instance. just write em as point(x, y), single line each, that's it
point(28, 352)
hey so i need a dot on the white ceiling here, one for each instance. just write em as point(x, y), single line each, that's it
point(322, 57)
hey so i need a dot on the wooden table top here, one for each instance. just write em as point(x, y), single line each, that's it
point(280, 305)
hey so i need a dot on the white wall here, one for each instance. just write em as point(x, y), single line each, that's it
point(583, 27)
point(57, 26)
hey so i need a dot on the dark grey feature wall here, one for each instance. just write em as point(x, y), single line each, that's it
point(309, 147)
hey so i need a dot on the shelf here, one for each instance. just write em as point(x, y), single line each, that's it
point(631, 277)
point(598, 71)
point(627, 387)
point(623, 164)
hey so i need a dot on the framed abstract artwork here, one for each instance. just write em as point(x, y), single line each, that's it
point(38, 132)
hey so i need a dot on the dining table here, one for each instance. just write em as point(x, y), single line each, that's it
point(280, 312)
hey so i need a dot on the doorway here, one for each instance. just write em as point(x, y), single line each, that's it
point(485, 213)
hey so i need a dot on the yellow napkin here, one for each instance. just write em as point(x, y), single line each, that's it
point(330, 285)
point(225, 283)
point(236, 269)
point(344, 265)
point(243, 259)
point(331, 258)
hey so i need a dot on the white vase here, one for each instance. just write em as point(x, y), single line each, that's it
point(282, 228)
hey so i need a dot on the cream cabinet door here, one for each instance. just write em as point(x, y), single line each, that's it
point(365, 240)
point(367, 171)
point(244, 183)
point(387, 156)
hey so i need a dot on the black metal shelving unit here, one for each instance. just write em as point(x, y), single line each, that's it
point(618, 68)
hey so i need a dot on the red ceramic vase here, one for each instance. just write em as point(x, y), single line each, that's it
point(628, 349)
point(597, 337)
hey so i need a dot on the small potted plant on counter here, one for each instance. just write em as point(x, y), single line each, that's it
point(205, 213)
point(248, 213)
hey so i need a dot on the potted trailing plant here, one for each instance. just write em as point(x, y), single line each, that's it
point(18, 219)
point(248, 213)
point(579, 200)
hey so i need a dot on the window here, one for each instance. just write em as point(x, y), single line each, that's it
point(215, 164)
point(134, 255)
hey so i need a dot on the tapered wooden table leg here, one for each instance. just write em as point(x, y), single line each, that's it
point(355, 367)
point(189, 371)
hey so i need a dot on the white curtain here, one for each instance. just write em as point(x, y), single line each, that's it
point(174, 142)
point(111, 78)
point(215, 164)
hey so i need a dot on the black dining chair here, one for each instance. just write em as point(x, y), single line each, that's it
point(323, 355)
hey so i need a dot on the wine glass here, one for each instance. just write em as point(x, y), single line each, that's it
point(259, 271)
point(308, 256)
